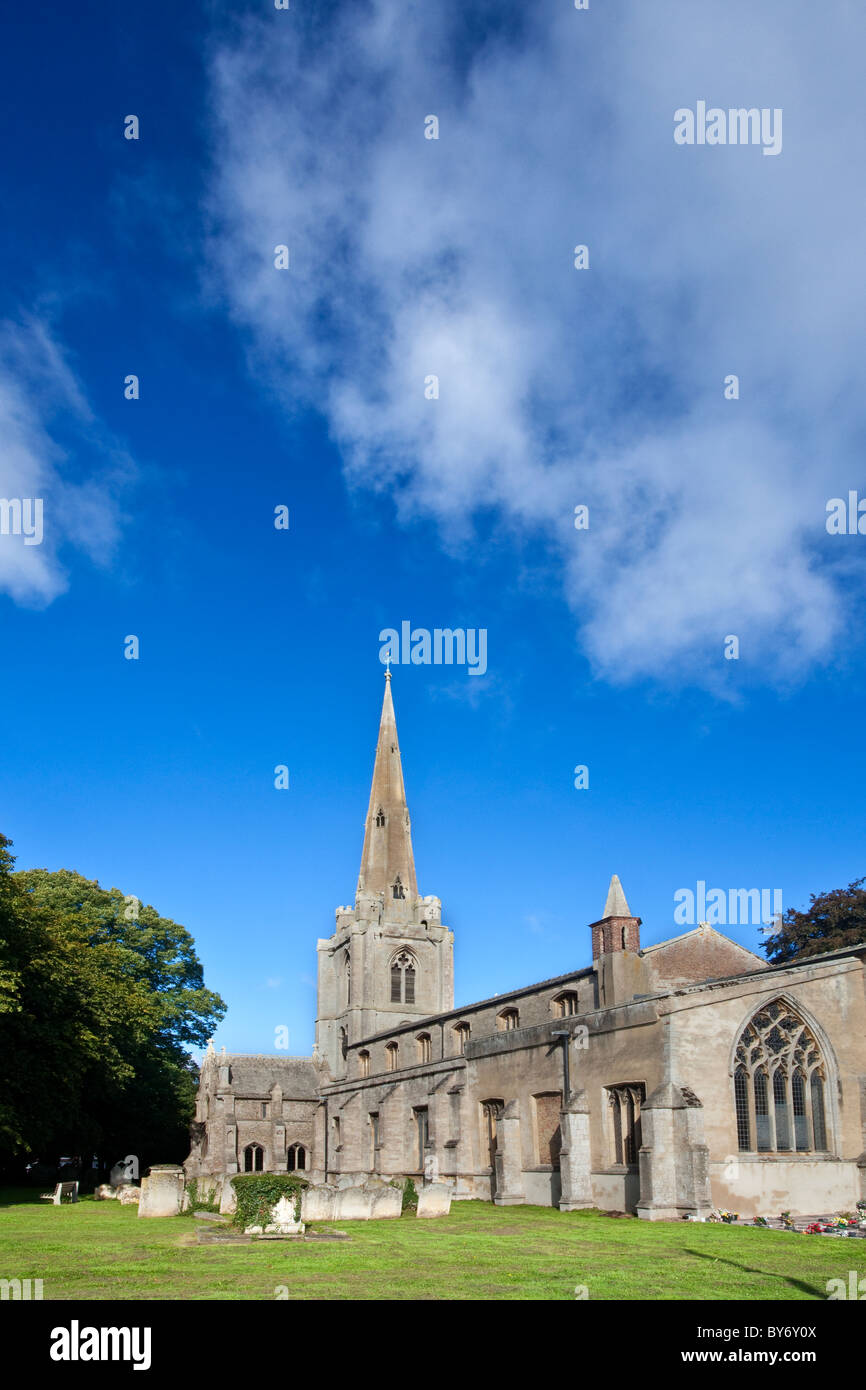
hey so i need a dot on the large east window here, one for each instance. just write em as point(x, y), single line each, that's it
point(779, 1084)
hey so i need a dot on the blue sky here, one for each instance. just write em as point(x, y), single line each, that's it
point(558, 387)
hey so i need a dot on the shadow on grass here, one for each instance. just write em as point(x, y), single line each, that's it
point(763, 1273)
point(16, 1196)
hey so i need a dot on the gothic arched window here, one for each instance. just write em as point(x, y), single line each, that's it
point(397, 888)
point(380, 816)
point(391, 1056)
point(565, 1004)
point(254, 1158)
point(296, 1159)
point(491, 1112)
point(425, 1047)
point(779, 1082)
point(624, 1120)
point(461, 1037)
point(507, 1020)
point(403, 979)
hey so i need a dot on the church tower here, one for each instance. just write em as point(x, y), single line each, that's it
point(390, 959)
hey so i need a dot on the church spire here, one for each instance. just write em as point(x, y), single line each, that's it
point(387, 863)
point(616, 905)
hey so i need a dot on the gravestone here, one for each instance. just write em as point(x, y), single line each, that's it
point(434, 1200)
point(283, 1221)
point(162, 1191)
point(317, 1203)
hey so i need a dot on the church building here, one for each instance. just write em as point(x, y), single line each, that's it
point(666, 1080)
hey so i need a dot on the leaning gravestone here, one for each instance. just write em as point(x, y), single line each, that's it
point(162, 1191)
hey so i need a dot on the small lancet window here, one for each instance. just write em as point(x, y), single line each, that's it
point(380, 816)
point(398, 889)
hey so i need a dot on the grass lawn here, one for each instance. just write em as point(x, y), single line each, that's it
point(101, 1250)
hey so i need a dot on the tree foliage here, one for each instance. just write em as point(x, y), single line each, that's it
point(98, 1000)
point(833, 921)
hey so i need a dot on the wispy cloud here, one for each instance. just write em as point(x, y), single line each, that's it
point(54, 449)
point(558, 386)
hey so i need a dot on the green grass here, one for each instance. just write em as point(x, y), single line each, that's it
point(101, 1250)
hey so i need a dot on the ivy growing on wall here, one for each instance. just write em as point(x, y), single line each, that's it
point(199, 1202)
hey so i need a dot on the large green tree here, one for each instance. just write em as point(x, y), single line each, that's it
point(832, 922)
point(99, 998)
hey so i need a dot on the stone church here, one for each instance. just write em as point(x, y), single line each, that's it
point(666, 1080)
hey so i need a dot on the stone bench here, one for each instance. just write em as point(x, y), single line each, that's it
point(69, 1190)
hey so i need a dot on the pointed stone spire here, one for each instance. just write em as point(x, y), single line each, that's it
point(616, 930)
point(387, 858)
point(616, 905)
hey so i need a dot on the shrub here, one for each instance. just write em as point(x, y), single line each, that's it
point(256, 1193)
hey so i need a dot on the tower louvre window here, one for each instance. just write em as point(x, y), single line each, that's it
point(403, 979)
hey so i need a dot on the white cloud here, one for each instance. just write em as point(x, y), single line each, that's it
point(45, 424)
point(559, 386)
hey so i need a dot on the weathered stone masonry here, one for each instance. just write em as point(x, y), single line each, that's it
point(664, 1080)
